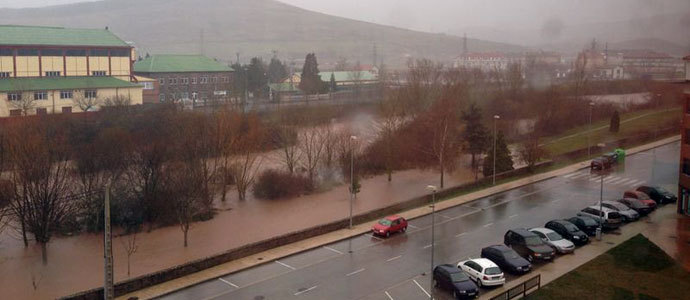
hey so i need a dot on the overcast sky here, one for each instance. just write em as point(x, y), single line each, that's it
point(453, 16)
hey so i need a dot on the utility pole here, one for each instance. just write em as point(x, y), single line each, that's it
point(433, 224)
point(352, 175)
point(496, 117)
point(108, 290)
point(589, 130)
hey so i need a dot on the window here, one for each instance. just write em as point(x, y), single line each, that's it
point(6, 52)
point(14, 97)
point(75, 52)
point(120, 52)
point(226, 79)
point(184, 80)
point(40, 96)
point(686, 166)
point(161, 97)
point(41, 111)
point(53, 74)
point(203, 80)
point(90, 94)
point(51, 52)
point(98, 73)
point(5, 74)
point(148, 85)
point(171, 81)
point(195, 95)
point(98, 52)
point(193, 80)
point(27, 52)
point(66, 109)
point(214, 79)
point(65, 94)
point(15, 112)
point(161, 81)
point(185, 95)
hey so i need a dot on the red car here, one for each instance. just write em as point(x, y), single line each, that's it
point(388, 225)
point(642, 197)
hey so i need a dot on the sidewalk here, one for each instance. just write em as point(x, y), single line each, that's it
point(662, 218)
point(307, 244)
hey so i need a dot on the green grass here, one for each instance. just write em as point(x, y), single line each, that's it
point(635, 269)
point(632, 124)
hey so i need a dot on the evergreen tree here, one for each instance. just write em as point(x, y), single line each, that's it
point(276, 71)
point(311, 82)
point(476, 136)
point(240, 80)
point(615, 122)
point(504, 161)
point(333, 84)
point(256, 76)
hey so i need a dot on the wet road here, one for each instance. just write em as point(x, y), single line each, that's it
point(394, 268)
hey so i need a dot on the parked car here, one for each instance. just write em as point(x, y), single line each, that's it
point(609, 218)
point(555, 240)
point(642, 197)
point(637, 205)
point(450, 277)
point(389, 225)
point(585, 224)
point(483, 271)
point(528, 245)
point(658, 194)
point(569, 231)
point(506, 259)
point(629, 215)
point(600, 163)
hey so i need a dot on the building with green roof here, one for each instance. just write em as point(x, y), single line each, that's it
point(195, 78)
point(39, 62)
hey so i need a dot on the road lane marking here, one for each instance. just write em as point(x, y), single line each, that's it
point(229, 283)
point(302, 292)
point(487, 225)
point(618, 181)
point(355, 272)
point(285, 265)
point(442, 215)
point(513, 216)
point(597, 178)
point(570, 175)
point(610, 179)
point(556, 201)
point(460, 234)
point(627, 181)
point(394, 258)
point(412, 226)
point(427, 246)
point(389, 295)
point(334, 250)
point(375, 237)
point(423, 290)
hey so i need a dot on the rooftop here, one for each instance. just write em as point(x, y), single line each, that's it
point(348, 76)
point(16, 35)
point(61, 83)
point(169, 63)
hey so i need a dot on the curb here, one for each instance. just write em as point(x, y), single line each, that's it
point(338, 235)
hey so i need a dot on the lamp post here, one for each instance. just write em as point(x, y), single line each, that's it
point(352, 173)
point(589, 130)
point(433, 224)
point(496, 117)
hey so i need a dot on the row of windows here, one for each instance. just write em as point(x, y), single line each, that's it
point(42, 95)
point(55, 74)
point(40, 111)
point(185, 95)
point(193, 80)
point(65, 52)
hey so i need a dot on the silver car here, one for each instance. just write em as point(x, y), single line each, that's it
point(555, 240)
point(628, 214)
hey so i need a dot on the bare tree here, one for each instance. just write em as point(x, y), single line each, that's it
point(580, 75)
point(129, 243)
point(355, 77)
point(245, 167)
point(285, 137)
point(311, 145)
point(85, 103)
point(438, 135)
point(26, 101)
point(184, 191)
point(392, 118)
point(530, 150)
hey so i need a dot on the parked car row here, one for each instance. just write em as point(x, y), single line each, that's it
point(522, 247)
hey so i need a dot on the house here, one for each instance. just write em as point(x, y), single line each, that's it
point(486, 61)
point(193, 78)
point(342, 78)
point(54, 69)
point(283, 91)
point(646, 64)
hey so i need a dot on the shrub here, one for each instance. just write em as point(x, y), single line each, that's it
point(274, 184)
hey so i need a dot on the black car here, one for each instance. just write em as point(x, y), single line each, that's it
point(658, 194)
point(528, 245)
point(451, 278)
point(585, 224)
point(569, 231)
point(636, 205)
point(506, 259)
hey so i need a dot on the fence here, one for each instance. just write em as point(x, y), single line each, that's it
point(521, 290)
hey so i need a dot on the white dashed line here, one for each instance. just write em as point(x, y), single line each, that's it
point(487, 225)
point(302, 292)
point(513, 216)
point(423, 290)
point(412, 226)
point(570, 175)
point(355, 272)
point(442, 215)
point(627, 181)
point(394, 258)
point(374, 237)
point(285, 265)
point(229, 283)
point(427, 246)
point(610, 179)
point(460, 234)
point(389, 295)
point(334, 250)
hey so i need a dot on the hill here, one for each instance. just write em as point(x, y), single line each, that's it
point(248, 27)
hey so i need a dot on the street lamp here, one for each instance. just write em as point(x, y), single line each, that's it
point(352, 173)
point(433, 223)
point(496, 117)
point(589, 130)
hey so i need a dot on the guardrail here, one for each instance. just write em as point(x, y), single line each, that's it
point(521, 290)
